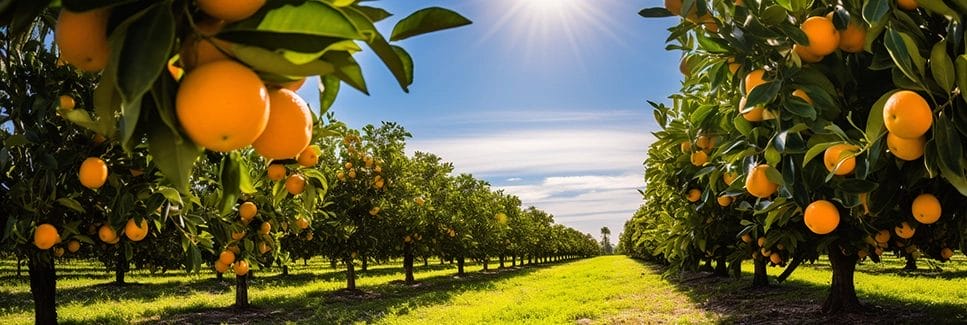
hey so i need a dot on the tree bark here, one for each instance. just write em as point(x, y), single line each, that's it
point(350, 275)
point(501, 261)
point(218, 276)
point(721, 269)
point(760, 279)
point(460, 266)
point(408, 263)
point(513, 260)
point(305, 262)
point(735, 269)
point(365, 264)
point(120, 267)
point(911, 264)
point(19, 264)
point(426, 261)
point(285, 270)
point(842, 292)
point(241, 291)
point(43, 287)
point(486, 263)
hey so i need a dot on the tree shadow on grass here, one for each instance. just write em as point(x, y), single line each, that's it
point(800, 302)
point(341, 307)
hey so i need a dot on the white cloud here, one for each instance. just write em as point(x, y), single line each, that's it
point(514, 179)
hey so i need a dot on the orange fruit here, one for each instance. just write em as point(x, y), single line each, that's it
point(765, 252)
point(107, 234)
point(821, 217)
point(756, 114)
point(374, 211)
point(247, 211)
point(58, 251)
point(240, 268)
point(66, 102)
point(946, 253)
point(761, 241)
point(803, 95)
point(746, 238)
point(862, 254)
point(202, 47)
point(683, 66)
point(238, 235)
point(73, 246)
point(227, 257)
point(926, 208)
point(276, 172)
point(82, 38)
point(135, 231)
point(882, 236)
point(349, 165)
point(264, 247)
point(234, 249)
point(93, 173)
point(758, 184)
point(853, 38)
point(289, 129)
point(908, 5)
point(230, 10)
point(341, 176)
point(222, 106)
point(904, 230)
point(46, 236)
point(699, 158)
point(775, 259)
point(842, 155)
point(729, 177)
point(302, 223)
point(805, 55)
point(907, 115)
point(221, 267)
point(295, 184)
point(309, 156)
point(265, 228)
point(294, 85)
point(906, 149)
point(694, 195)
point(754, 79)
point(352, 174)
point(822, 34)
point(705, 142)
point(685, 146)
point(724, 200)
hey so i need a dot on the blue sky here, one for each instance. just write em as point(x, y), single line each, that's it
point(543, 98)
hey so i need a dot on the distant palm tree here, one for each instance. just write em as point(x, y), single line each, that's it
point(606, 247)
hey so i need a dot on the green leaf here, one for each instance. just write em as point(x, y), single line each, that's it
point(941, 66)
point(853, 185)
point(245, 179)
point(656, 12)
point(374, 14)
point(800, 107)
point(71, 203)
point(763, 94)
point(16, 140)
point(874, 122)
point(328, 89)
point(382, 48)
point(905, 54)
point(875, 12)
point(950, 150)
point(145, 51)
point(701, 113)
point(230, 179)
point(815, 151)
point(107, 103)
point(347, 70)
point(260, 59)
point(82, 118)
point(938, 6)
point(407, 61)
point(171, 195)
point(174, 156)
point(962, 74)
point(312, 18)
point(426, 21)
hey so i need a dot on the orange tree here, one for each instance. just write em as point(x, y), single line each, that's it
point(850, 119)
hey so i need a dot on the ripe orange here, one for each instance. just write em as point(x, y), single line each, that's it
point(93, 173)
point(904, 230)
point(821, 217)
point(230, 10)
point(683, 66)
point(746, 238)
point(754, 79)
point(289, 129)
point(775, 259)
point(349, 165)
point(341, 176)
point(907, 115)
point(295, 184)
point(724, 200)
point(908, 5)
point(240, 268)
point(46, 236)
point(758, 184)
point(222, 106)
point(238, 235)
point(926, 208)
point(946, 253)
point(853, 38)
point(202, 48)
point(685, 146)
point(247, 211)
point(733, 66)
point(265, 228)
point(842, 155)
point(705, 142)
point(882, 236)
point(761, 241)
point(82, 38)
point(264, 248)
point(107, 234)
point(906, 149)
point(276, 172)
point(729, 177)
point(221, 267)
point(352, 174)
point(694, 195)
point(66, 102)
point(805, 55)
point(73, 246)
point(803, 95)
point(227, 257)
point(822, 34)
point(135, 231)
point(294, 85)
point(765, 252)
point(756, 114)
point(699, 158)
point(309, 156)
point(302, 223)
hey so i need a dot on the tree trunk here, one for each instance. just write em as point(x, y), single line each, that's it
point(460, 266)
point(486, 263)
point(408, 263)
point(350, 275)
point(426, 261)
point(735, 269)
point(911, 264)
point(760, 279)
point(120, 268)
point(19, 264)
point(241, 291)
point(365, 264)
point(285, 270)
point(305, 262)
point(842, 292)
point(501, 261)
point(218, 276)
point(707, 267)
point(43, 286)
point(721, 269)
point(513, 261)
point(332, 263)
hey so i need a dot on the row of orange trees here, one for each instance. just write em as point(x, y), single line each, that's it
point(165, 111)
point(808, 128)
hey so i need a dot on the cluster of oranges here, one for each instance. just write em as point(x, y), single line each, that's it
point(227, 259)
point(774, 254)
point(370, 165)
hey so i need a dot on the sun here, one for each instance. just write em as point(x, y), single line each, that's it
point(550, 4)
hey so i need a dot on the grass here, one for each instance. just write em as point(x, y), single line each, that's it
point(607, 289)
